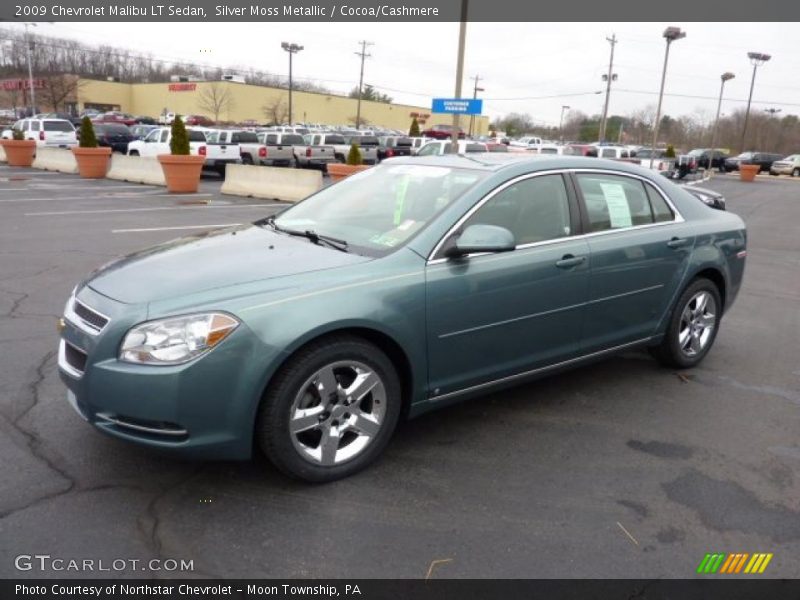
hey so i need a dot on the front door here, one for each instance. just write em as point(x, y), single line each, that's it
point(495, 315)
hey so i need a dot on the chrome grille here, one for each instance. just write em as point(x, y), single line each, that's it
point(92, 318)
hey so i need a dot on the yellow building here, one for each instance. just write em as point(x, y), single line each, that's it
point(239, 102)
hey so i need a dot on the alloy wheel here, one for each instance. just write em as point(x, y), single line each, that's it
point(697, 323)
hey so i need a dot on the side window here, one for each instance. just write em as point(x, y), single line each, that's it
point(608, 153)
point(272, 138)
point(34, 125)
point(428, 149)
point(152, 136)
point(164, 135)
point(534, 210)
point(662, 213)
point(614, 202)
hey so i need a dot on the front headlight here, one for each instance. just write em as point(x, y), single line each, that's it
point(175, 340)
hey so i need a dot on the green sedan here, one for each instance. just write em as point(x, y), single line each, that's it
point(402, 289)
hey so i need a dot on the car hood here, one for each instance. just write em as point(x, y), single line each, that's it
point(212, 259)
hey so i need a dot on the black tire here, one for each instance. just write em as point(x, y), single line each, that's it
point(247, 159)
point(285, 449)
point(796, 173)
point(671, 352)
point(134, 153)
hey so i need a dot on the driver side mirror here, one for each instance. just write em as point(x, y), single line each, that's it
point(482, 238)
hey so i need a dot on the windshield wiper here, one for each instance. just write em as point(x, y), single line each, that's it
point(310, 234)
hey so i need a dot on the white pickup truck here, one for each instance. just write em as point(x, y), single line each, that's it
point(281, 147)
point(157, 142)
point(340, 145)
point(223, 149)
point(314, 154)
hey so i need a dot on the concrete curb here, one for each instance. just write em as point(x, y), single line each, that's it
point(136, 169)
point(55, 159)
point(271, 183)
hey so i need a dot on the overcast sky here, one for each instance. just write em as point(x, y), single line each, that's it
point(518, 62)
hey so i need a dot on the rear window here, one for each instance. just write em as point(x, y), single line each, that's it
point(368, 140)
point(475, 148)
point(58, 126)
point(245, 137)
point(292, 139)
point(115, 129)
point(404, 142)
point(196, 136)
point(334, 139)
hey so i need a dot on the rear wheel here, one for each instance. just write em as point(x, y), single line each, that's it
point(796, 173)
point(134, 153)
point(247, 159)
point(692, 327)
point(331, 410)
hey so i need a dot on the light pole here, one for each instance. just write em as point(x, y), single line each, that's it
point(670, 35)
point(608, 79)
point(292, 49)
point(475, 91)
point(462, 38)
point(30, 67)
point(561, 122)
point(757, 59)
point(727, 76)
point(363, 54)
point(772, 111)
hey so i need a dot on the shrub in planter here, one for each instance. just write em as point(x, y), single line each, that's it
point(19, 151)
point(414, 130)
point(181, 168)
point(354, 164)
point(92, 159)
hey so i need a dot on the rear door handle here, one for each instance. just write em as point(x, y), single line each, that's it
point(677, 242)
point(568, 261)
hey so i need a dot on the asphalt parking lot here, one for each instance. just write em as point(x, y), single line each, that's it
point(619, 469)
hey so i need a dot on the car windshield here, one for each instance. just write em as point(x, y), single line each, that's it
point(792, 157)
point(745, 155)
point(380, 209)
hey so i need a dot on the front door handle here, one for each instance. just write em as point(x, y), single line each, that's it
point(677, 242)
point(568, 261)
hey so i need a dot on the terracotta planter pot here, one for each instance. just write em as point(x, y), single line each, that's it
point(339, 171)
point(182, 172)
point(748, 172)
point(19, 153)
point(92, 162)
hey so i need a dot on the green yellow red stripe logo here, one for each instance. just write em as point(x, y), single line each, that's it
point(735, 563)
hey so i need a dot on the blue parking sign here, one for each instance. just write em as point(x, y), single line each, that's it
point(462, 106)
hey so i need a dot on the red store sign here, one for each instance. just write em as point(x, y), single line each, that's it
point(182, 87)
point(21, 84)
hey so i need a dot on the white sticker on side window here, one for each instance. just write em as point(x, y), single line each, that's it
point(619, 211)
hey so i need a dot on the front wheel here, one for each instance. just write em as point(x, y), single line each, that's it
point(331, 410)
point(692, 327)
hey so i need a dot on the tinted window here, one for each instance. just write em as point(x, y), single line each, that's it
point(194, 136)
point(334, 139)
point(661, 210)
point(534, 210)
point(404, 142)
point(368, 140)
point(245, 137)
point(475, 148)
point(58, 126)
point(294, 140)
point(614, 202)
point(114, 129)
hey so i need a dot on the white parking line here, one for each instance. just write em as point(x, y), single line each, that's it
point(147, 209)
point(147, 229)
point(147, 189)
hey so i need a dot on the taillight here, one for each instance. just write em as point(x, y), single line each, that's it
point(389, 153)
point(308, 151)
point(262, 152)
point(201, 150)
point(41, 135)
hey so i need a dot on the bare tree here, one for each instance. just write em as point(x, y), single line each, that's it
point(215, 98)
point(275, 111)
point(59, 89)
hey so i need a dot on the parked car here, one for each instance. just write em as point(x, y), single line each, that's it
point(252, 151)
point(114, 135)
point(417, 143)
point(657, 159)
point(496, 147)
point(786, 166)
point(140, 131)
point(198, 120)
point(393, 145)
point(157, 142)
point(368, 146)
point(763, 159)
point(442, 132)
point(57, 133)
point(314, 154)
point(526, 142)
point(703, 155)
point(166, 118)
point(309, 334)
point(580, 150)
point(282, 148)
point(615, 152)
point(439, 148)
point(706, 196)
point(222, 149)
point(76, 121)
point(144, 120)
point(115, 117)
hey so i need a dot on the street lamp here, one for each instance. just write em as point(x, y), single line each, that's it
point(292, 49)
point(727, 76)
point(772, 111)
point(670, 35)
point(561, 122)
point(30, 67)
point(475, 91)
point(757, 59)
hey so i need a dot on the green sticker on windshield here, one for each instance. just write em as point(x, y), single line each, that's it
point(400, 199)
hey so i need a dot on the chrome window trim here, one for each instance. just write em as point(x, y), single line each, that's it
point(62, 360)
point(678, 218)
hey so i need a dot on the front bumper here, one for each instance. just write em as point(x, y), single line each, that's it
point(202, 409)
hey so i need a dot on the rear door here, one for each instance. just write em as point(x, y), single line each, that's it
point(640, 248)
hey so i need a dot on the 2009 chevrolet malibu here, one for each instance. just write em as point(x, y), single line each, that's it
point(399, 290)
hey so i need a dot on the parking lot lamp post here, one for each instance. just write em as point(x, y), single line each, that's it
point(363, 54)
point(727, 76)
point(670, 35)
point(30, 66)
point(757, 59)
point(292, 49)
point(462, 36)
point(561, 122)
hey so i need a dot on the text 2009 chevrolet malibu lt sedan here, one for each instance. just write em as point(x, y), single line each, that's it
point(399, 290)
